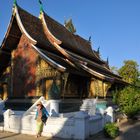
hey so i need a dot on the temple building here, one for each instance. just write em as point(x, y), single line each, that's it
point(39, 56)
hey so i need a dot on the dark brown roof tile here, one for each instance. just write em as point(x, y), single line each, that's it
point(70, 41)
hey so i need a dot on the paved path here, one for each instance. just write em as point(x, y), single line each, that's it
point(129, 130)
point(13, 136)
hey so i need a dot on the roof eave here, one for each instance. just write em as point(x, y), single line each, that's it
point(47, 32)
point(50, 61)
point(21, 27)
point(8, 30)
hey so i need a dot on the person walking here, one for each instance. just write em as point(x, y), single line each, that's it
point(41, 118)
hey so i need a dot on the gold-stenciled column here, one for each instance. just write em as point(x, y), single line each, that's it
point(5, 94)
point(107, 85)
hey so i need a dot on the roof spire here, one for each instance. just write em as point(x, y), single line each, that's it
point(89, 39)
point(98, 50)
point(41, 6)
point(69, 26)
point(15, 2)
point(107, 60)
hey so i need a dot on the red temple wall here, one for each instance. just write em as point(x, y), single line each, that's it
point(24, 69)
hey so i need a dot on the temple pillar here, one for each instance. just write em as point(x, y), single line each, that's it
point(107, 85)
point(37, 90)
point(5, 91)
point(103, 89)
point(12, 73)
point(1, 91)
point(54, 107)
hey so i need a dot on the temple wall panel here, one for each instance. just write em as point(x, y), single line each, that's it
point(32, 75)
point(48, 80)
point(24, 69)
point(98, 88)
point(76, 86)
point(106, 85)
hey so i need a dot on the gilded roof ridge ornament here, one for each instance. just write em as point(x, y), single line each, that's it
point(41, 6)
point(98, 50)
point(15, 3)
point(14, 7)
point(70, 26)
point(21, 26)
point(107, 61)
point(89, 39)
point(47, 32)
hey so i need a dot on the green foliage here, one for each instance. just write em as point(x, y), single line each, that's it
point(138, 82)
point(129, 72)
point(114, 70)
point(115, 96)
point(111, 130)
point(128, 100)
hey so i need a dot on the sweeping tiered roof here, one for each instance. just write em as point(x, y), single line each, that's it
point(59, 47)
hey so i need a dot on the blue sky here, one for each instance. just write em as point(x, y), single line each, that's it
point(114, 25)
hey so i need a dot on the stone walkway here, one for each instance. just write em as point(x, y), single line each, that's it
point(129, 130)
point(13, 136)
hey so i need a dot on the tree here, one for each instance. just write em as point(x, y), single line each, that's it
point(138, 82)
point(114, 70)
point(129, 72)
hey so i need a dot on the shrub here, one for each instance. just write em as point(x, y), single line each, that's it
point(129, 101)
point(111, 130)
point(114, 97)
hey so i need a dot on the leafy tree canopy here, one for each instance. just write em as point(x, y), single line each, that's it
point(114, 70)
point(129, 72)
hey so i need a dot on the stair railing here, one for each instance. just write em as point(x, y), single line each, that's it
point(42, 100)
